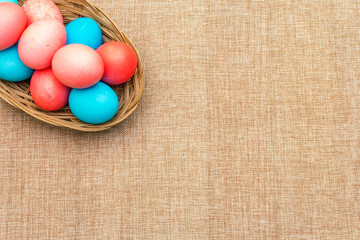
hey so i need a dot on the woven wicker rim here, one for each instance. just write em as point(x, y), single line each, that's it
point(18, 94)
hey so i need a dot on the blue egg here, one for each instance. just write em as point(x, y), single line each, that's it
point(11, 67)
point(84, 31)
point(94, 105)
point(13, 1)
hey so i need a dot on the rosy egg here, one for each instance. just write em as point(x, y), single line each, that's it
point(48, 92)
point(119, 60)
point(40, 41)
point(78, 66)
point(12, 24)
point(41, 9)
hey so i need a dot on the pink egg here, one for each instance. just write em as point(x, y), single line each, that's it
point(48, 92)
point(40, 41)
point(41, 9)
point(12, 24)
point(78, 66)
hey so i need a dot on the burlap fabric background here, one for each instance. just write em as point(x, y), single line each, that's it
point(248, 129)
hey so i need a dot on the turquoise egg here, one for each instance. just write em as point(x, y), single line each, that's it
point(13, 1)
point(84, 31)
point(94, 105)
point(11, 67)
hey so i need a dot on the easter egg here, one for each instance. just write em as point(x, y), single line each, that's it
point(78, 66)
point(41, 9)
point(120, 62)
point(40, 41)
point(12, 24)
point(84, 31)
point(12, 1)
point(48, 92)
point(11, 67)
point(94, 105)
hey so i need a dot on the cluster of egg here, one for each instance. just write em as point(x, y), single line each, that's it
point(67, 65)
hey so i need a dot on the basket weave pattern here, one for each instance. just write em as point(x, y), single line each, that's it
point(18, 94)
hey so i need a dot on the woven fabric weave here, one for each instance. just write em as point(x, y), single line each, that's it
point(248, 129)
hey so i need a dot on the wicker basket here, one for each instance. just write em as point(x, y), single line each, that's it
point(18, 94)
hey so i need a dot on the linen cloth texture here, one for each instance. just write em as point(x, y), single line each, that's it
point(248, 129)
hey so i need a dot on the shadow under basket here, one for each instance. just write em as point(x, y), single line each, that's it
point(129, 94)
